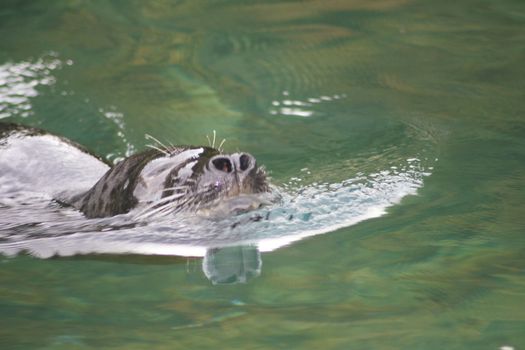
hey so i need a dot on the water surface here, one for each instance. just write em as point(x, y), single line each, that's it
point(323, 93)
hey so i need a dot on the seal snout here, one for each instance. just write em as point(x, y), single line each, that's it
point(233, 172)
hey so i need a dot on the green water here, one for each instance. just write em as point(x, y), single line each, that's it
point(441, 270)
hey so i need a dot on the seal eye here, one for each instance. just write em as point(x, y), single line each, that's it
point(222, 164)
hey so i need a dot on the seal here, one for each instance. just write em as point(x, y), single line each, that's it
point(158, 181)
point(165, 181)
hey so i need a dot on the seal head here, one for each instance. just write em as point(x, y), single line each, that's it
point(162, 182)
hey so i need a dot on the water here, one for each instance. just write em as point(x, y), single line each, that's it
point(338, 100)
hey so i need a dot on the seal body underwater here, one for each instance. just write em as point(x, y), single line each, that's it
point(155, 182)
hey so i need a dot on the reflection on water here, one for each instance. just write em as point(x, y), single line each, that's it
point(229, 265)
point(422, 79)
point(19, 83)
point(289, 107)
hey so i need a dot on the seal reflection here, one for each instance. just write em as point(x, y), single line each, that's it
point(232, 265)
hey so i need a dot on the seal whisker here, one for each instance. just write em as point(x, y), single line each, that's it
point(145, 214)
point(158, 149)
point(161, 202)
point(220, 146)
point(153, 212)
point(166, 199)
point(214, 135)
point(163, 209)
point(149, 137)
point(175, 188)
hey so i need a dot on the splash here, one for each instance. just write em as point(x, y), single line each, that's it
point(117, 118)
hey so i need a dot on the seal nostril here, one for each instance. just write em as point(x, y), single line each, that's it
point(244, 162)
point(222, 164)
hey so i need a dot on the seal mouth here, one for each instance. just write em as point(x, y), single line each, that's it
point(234, 205)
